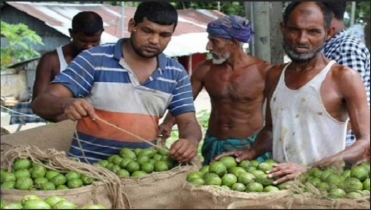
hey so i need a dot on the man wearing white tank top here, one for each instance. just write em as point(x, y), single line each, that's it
point(310, 101)
point(86, 31)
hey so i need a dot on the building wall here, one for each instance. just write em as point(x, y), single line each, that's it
point(50, 37)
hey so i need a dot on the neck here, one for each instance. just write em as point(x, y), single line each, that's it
point(312, 64)
point(338, 25)
point(236, 59)
point(130, 52)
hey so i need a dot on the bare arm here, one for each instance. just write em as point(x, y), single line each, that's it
point(197, 85)
point(51, 103)
point(44, 74)
point(188, 127)
point(354, 94)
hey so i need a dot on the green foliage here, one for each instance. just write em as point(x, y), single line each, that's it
point(18, 36)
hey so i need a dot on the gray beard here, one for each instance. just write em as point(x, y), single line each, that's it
point(301, 58)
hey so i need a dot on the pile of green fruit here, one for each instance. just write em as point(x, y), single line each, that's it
point(27, 175)
point(247, 176)
point(51, 202)
point(348, 183)
point(138, 162)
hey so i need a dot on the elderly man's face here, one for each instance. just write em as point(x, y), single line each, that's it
point(219, 49)
point(304, 34)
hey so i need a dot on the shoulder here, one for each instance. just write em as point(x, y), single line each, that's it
point(48, 61)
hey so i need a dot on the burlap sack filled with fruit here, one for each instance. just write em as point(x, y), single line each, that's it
point(156, 190)
point(106, 190)
point(301, 202)
point(213, 197)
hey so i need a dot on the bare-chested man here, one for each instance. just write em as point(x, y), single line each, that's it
point(310, 100)
point(87, 28)
point(235, 84)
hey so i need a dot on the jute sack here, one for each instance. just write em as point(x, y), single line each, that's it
point(107, 191)
point(212, 197)
point(302, 202)
point(158, 190)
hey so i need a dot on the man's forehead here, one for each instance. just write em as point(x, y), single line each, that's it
point(152, 25)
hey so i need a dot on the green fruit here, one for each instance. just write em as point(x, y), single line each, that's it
point(128, 153)
point(123, 173)
point(254, 187)
point(147, 167)
point(359, 172)
point(28, 198)
point(36, 204)
point(204, 169)
point(265, 167)
point(138, 174)
point(8, 185)
point(142, 159)
point(162, 152)
point(7, 176)
point(169, 161)
point(323, 186)
point(116, 160)
point(62, 187)
point(325, 174)
point(251, 169)
point(218, 168)
point(161, 166)
point(22, 173)
point(193, 175)
point(147, 152)
point(133, 166)
point(334, 179)
point(197, 181)
point(366, 184)
point(103, 163)
point(97, 206)
point(229, 180)
point(352, 184)
point(213, 180)
point(15, 205)
point(38, 171)
point(271, 189)
point(23, 183)
point(50, 174)
point(244, 164)
point(353, 195)
point(254, 163)
point(225, 187)
point(228, 161)
point(64, 204)
point(257, 173)
point(58, 180)
point(315, 172)
point(54, 199)
point(284, 185)
point(236, 170)
point(270, 161)
point(47, 186)
point(72, 175)
point(137, 150)
point(115, 168)
point(39, 181)
point(264, 180)
point(157, 157)
point(238, 187)
point(124, 162)
point(87, 180)
point(345, 174)
point(207, 175)
point(74, 183)
point(336, 193)
point(314, 181)
point(21, 163)
point(366, 165)
point(245, 178)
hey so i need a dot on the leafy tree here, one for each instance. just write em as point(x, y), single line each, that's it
point(19, 37)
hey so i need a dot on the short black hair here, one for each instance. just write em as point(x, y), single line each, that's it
point(327, 14)
point(87, 22)
point(162, 13)
point(337, 7)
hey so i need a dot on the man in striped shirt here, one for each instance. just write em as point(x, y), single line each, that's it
point(129, 84)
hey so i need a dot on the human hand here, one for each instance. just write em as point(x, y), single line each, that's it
point(79, 108)
point(286, 171)
point(183, 150)
point(239, 155)
point(365, 157)
point(164, 131)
